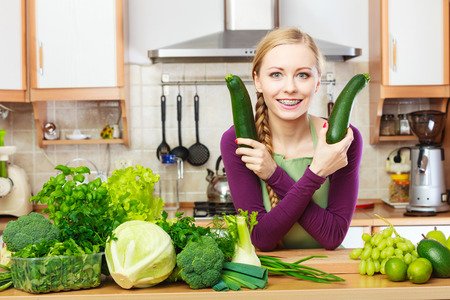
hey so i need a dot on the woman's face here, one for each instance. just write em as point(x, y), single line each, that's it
point(288, 79)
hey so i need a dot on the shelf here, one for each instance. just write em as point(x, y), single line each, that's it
point(83, 142)
point(397, 138)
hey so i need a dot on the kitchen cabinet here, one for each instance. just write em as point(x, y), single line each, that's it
point(75, 54)
point(12, 52)
point(408, 57)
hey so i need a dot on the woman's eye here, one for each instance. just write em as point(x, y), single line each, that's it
point(303, 75)
point(275, 75)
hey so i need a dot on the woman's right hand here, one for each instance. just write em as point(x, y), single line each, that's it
point(330, 158)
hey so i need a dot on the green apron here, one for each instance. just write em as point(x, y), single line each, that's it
point(297, 237)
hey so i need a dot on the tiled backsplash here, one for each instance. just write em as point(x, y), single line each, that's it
point(145, 125)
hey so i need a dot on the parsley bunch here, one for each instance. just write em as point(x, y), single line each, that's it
point(80, 210)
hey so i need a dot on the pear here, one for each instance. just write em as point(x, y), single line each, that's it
point(437, 235)
point(448, 243)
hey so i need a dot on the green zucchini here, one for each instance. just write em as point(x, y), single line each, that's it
point(241, 105)
point(339, 119)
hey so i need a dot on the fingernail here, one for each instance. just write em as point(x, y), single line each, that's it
point(325, 125)
point(236, 141)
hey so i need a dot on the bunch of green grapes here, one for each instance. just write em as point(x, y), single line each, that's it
point(381, 246)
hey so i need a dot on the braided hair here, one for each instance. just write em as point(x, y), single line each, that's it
point(280, 36)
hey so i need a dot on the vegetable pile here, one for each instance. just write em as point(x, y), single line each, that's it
point(142, 247)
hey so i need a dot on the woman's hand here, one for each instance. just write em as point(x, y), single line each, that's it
point(330, 158)
point(256, 158)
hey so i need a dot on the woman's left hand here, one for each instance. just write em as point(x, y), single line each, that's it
point(257, 158)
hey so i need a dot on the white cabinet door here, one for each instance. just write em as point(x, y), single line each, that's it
point(11, 50)
point(353, 238)
point(416, 42)
point(76, 43)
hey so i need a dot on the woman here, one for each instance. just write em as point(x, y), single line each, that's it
point(303, 189)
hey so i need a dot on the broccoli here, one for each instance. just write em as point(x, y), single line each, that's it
point(200, 263)
point(29, 229)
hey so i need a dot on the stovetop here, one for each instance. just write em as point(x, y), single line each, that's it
point(211, 209)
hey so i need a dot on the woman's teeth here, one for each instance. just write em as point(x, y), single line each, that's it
point(289, 102)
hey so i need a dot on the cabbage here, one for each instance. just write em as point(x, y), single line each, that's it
point(142, 254)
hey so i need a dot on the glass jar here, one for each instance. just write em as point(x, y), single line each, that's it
point(387, 126)
point(403, 125)
point(399, 188)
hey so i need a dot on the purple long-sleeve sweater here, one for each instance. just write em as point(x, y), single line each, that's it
point(327, 225)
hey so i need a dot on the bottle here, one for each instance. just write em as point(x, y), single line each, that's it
point(399, 188)
point(403, 126)
point(169, 182)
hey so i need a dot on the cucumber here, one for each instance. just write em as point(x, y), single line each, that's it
point(339, 119)
point(243, 119)
point(437, 254)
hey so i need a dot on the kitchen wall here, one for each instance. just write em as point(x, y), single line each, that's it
point(150, 26)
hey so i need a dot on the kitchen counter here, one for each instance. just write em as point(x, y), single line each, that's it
point(337, 262)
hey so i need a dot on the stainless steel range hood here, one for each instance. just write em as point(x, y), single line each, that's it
point(238, 45)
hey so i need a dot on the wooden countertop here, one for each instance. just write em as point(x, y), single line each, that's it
point(355, 285)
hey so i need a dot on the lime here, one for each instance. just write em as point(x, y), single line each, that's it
point(419, 271)
point(395, 269)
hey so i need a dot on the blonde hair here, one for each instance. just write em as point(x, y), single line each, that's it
point(277, 37)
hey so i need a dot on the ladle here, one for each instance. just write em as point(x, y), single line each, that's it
point(179, 151)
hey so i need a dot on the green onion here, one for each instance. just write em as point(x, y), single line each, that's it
point(276, 266)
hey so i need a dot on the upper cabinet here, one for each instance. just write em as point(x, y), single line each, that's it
point(76, 46)
point(12, 51)
point(417, 44)
point(409, 60)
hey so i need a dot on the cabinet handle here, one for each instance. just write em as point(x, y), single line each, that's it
point(394, 55)
point(41, 59)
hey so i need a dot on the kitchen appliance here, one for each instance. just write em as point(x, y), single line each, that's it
point(218, 190)
point(246, 22)
point(204, 209)
point(15, 190)
point(427, 189)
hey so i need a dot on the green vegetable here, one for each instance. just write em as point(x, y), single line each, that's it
point(131, 192)
point(276, 266)
point(56, 273)
point(340, 115)
point(141, 255)
point(240, 227)
point(437, 254)
point(29, 229)
point(5, 278)
point(200, 263)
point(182, 229)
point(52, 248)
point(81, 210)
point(237, 275)
point(243, 119)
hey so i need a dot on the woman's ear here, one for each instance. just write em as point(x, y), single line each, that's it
point(257, 82)
point(317, 86)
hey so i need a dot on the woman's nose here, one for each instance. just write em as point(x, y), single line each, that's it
point(290, 86)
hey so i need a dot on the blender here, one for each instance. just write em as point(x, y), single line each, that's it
point(15, 190)
point(427, 191)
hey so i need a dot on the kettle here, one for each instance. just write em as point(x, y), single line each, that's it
point(218, 190)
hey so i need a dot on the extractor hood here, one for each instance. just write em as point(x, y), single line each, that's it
point(238, 45)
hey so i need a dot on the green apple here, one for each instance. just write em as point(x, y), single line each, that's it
point(437, 235)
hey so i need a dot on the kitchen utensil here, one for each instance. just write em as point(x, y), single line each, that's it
point(218, 189)
point(180, 151)
point(198, 153)
point(427, 191)
point(163, 148)
point(15, 188)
